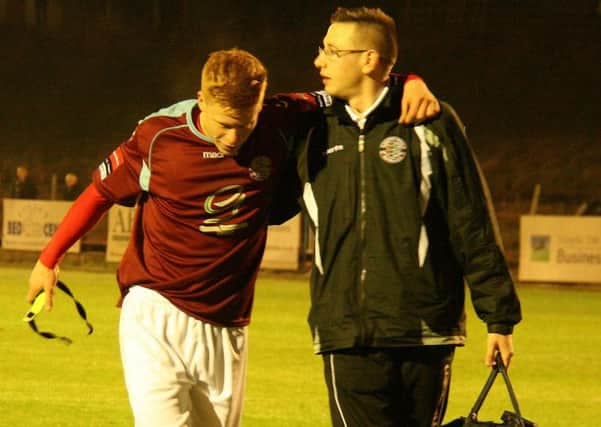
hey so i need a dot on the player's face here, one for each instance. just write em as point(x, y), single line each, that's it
point(229, 127)
point(340, 61)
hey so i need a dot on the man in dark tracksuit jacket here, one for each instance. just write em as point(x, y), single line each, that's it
point(400, 219)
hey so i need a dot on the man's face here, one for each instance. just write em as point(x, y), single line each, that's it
point(339, 61)
point(229, 127)
point(70, 180)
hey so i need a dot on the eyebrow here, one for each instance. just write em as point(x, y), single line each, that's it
point(233, 124)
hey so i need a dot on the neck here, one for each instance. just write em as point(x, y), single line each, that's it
point(366, 96)
point(199, 120)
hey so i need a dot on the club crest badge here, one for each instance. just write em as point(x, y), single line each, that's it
point(260, 168)
point(393, 149)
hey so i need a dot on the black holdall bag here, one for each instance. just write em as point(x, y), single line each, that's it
point(508, 418)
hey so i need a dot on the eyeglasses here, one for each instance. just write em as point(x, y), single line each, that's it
point(330, 52)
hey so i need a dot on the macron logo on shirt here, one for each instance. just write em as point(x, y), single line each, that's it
point(212, 155)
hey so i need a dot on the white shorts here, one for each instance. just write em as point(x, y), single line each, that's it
point(179, 371)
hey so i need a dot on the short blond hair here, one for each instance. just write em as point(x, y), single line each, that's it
point(234, 78)
point(381, 28)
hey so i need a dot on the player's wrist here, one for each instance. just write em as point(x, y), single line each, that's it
point(410, 77)
point(48, 260)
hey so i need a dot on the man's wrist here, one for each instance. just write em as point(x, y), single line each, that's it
point(500, 328)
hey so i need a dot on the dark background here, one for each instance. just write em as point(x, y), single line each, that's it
point(524, 75)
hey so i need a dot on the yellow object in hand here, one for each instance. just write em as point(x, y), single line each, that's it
point(36, 307)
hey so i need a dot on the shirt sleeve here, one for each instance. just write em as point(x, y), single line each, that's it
point(120, 177)
point(399, 80)
point(85, 212)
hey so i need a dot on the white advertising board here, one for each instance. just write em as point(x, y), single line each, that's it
point(560, 248)
point(29, 224)
point(120, 222)
point(281, 251)
point(283, 246)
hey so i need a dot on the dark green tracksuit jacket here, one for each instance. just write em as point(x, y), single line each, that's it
point(373, 195)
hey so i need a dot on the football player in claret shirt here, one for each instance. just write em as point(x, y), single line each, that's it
point(203, 174)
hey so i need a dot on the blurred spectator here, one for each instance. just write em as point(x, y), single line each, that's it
point(72, 188)
point(592, 208)
point(23, 187)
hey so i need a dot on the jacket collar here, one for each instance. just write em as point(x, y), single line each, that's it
point(388, 109)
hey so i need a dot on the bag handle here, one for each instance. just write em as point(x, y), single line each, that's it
point(498, 367)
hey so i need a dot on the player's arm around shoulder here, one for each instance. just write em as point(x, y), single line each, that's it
point(296, 112)
point(418, 103)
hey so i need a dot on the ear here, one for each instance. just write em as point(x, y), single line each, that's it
point(371, 61)
point(376, 66)
point(201, 100)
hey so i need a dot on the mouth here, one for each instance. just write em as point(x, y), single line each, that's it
point(229, 150)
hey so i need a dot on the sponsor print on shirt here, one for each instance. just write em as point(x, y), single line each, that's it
point(226, 200)
point(393, 149)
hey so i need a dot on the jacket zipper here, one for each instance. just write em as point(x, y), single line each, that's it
point(362, 238)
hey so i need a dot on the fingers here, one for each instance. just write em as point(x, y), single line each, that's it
point(489, 358)
point(49, 290)
point(433, 107)
point(410, 111)
point(31, 294)
point(404, 112)
point(418, 111)
point(499, 343)
point(44, 279)
point(422, 109)
point(428, 109)
point(506, 356)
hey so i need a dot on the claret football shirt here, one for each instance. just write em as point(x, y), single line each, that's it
point(201, 220)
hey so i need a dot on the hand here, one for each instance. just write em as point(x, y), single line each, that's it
point(42, 278)
point(501, 343)
point(418, 103)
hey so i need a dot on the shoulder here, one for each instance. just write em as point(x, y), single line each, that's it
point(450, 117)
point(447, 124)
point(450, 114)
point(173, 117)
point(175, 111)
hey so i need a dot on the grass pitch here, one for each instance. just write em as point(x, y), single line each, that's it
point(556, 371)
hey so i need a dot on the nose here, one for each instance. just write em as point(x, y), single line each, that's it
point(232, 137)
point(318, 61)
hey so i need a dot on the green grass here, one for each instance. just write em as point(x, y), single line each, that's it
point(556, 370)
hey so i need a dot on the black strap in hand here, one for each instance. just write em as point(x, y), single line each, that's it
point(499, 367)
point(37, 306)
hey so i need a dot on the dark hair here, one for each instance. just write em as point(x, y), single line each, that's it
point(380, 26)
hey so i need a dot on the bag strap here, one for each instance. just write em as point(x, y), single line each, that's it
point(498, 367)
